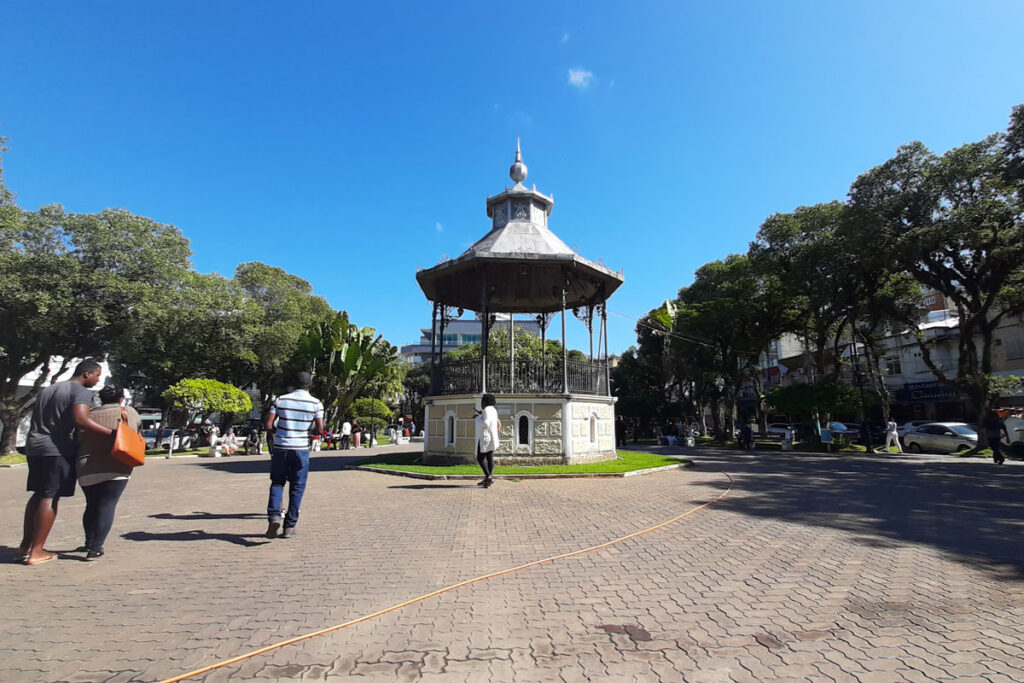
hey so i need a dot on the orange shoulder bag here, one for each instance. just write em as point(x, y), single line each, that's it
point(129, 446)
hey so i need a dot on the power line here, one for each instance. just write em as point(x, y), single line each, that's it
point(691, 340)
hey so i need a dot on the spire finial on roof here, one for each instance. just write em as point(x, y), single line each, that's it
point(518, 170)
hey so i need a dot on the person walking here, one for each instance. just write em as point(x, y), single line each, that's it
point(487, 427)
point(102, 477)
point(892, 434)
point(290, 418)
point(51, 453)
point(346, 434)
point(620, 432)
point(995, 430)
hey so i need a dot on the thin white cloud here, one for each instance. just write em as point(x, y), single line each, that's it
point(565, 37)
point(580, 78)
point(438, 227)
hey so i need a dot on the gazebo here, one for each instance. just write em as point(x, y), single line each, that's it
point(553, 411)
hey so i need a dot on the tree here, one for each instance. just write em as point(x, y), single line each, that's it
point(803, 249)
point(285, 308)
point(723, 322)
point(206, 397)
point(72, 286)
point(827, 396)
point(416, 387)
point(528, 347)
point(956, 223)
point(345, 360)
point(200, 327)
point(648, 380)
point(372, 406)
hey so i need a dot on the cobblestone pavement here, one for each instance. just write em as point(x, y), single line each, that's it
point(811, 567)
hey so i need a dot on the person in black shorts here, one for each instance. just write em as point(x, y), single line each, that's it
point(51, 453)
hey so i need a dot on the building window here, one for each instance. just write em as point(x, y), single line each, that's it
point(523, 432)
point(449, 429)
point(1014, 348)
point(892, 367)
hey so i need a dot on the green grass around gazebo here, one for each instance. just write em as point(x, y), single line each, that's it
point(627, 461)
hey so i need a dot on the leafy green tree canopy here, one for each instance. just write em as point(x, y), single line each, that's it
point(73, 286)
point(206, 397)
point(371, 406)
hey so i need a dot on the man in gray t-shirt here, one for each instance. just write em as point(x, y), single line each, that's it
point(59, 410)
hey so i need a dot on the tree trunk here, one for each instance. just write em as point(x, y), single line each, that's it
point(10, 418)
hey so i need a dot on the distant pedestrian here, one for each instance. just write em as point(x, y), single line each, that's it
point(346, 434)
point(52, 451)
point(487, 427)
point(620, 432)
point(746, 437)
point(254, 442)
point(865, 436)
point(995, 430)
point(892, 434)
point(102, 477)
point(357, 433)
point(290, 419)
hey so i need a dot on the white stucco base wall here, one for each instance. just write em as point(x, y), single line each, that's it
point(536, 429)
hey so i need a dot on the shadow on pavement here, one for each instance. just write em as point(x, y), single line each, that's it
point(435, 486)
point(261, 465)
point(211, 515)
point(195, 535)
point(973, 510)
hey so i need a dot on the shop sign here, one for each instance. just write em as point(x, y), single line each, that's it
point(927, 392)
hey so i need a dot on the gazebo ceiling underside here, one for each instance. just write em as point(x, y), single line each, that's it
point(519, 283)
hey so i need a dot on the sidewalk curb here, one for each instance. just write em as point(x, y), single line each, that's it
point(580, 475)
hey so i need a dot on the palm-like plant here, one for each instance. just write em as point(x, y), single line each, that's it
point(345, 360)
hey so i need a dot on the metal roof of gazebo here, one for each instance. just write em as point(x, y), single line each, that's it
point(520, 265)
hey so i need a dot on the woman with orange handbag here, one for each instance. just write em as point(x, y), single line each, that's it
point(102, 477)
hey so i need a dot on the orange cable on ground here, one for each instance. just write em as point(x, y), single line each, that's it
point(413, 601)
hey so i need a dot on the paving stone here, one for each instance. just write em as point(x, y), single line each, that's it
point(811, 568)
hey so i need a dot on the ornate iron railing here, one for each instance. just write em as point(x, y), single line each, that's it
point(529, 377)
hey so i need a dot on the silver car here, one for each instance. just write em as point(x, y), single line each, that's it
point(941, 437)
point(907, 426)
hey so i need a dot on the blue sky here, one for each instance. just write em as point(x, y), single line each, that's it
point(351, 143)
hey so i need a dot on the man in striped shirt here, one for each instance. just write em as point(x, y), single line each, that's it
point(289, 420)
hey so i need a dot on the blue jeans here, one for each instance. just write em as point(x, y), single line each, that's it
point(291, 466)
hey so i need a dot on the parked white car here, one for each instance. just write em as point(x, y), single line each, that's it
point(907, 426)
point(941, 437)
point(780, 428)
point(183, 439)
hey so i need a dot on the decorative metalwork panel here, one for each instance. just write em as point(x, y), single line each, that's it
point(520, 210)
point(531, 377)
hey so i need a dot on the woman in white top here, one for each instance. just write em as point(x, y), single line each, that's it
point(487, 427)
point(892, 436)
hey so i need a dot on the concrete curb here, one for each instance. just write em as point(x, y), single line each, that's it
point(473, 477)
